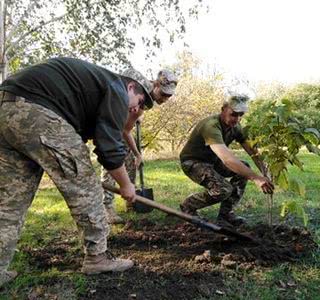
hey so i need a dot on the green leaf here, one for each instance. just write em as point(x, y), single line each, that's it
point(314, 131)
point(277, 168)
point(294, 207)
point(297, 162)
point(311, 137)
point(297, 186)
point(284, 209)
point(286, 101)
point(283, 180)
point(302, 214)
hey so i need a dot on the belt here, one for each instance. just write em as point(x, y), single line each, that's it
point(7, 97)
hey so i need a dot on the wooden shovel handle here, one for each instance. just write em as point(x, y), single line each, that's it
point(153, 204)
point(168, 210)
point(189, 218)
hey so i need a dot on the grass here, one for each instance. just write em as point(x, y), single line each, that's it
point(49, 219)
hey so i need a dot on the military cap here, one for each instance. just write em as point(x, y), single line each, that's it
point(238, 102)
point(144, 82)
point(168, 82)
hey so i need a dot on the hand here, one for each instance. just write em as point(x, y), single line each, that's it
point(138, 161)
point(128, 192)
point(264, 184)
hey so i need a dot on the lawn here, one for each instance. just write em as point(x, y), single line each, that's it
point(164, 249)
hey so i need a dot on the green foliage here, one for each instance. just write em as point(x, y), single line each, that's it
point(279, 136)
point(104, 31)
point(306, 98)
point(273, 128)
point(294, 208)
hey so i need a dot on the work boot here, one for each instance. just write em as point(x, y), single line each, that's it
point(230, 218)
point(104, 262)
point(187, 210)
point(112, 217)
point(7, 276)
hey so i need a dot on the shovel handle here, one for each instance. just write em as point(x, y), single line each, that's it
point(189, 218)
point(153, 204)
point(138, 141)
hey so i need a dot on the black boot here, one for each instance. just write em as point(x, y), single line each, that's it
point(230, 218)
point(192, 212)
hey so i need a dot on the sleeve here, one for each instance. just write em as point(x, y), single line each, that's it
point(111, 118)
point(240, 136)
point(212, 134)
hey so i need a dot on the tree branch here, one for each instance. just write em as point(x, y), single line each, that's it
point(40, 25)
point(33, 30)
point(25, 14)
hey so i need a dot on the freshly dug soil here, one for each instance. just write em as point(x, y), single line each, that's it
point(277, 243)
point(180, 261)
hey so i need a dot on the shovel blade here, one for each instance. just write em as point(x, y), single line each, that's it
point(140, 207)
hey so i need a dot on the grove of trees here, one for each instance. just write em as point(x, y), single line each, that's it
point(102, 31)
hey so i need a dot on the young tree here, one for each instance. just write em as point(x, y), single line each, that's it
point(274, 129)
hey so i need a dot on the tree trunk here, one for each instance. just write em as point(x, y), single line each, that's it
point(3, 61)
point(173, 146)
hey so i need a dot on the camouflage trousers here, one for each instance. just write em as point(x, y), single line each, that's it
point(34, 139)
point(218, 188)
point(107, 178)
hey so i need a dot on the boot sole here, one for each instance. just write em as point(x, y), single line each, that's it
point(94, 272)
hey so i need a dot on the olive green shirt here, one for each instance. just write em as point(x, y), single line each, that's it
point(210, 131)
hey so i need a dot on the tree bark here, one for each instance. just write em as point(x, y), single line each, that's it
point(3, 61)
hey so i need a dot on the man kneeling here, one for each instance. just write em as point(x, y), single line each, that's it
point(207, 160)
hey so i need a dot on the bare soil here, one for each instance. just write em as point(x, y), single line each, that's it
point(178, 261)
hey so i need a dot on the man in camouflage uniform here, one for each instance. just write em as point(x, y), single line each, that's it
point(163, 88)
point(206, 160)
point(47, 113)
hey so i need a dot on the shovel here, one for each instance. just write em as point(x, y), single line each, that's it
point(189, 218)
point(144, 192)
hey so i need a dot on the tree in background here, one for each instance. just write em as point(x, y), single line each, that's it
point(101, 30)
point(306, 98)
point(269, 90)
point(196, 97)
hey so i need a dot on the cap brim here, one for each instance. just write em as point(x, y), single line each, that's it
point(148, 102)
point(169, 89)
point(240, 108)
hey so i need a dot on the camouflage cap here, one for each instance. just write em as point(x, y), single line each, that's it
point(168, 82)
point(144, 82)
point(238, 103)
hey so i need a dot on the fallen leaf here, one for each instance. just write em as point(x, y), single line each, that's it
point(282, 284)
point(220, 292)
point(291, 283)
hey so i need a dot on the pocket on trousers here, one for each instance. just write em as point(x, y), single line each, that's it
point(64, 153)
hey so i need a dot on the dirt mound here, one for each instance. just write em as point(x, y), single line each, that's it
point(277, 243)
point(185, 262)
point(177, 261)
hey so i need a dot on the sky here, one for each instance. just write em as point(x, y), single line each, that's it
point(257, 40)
